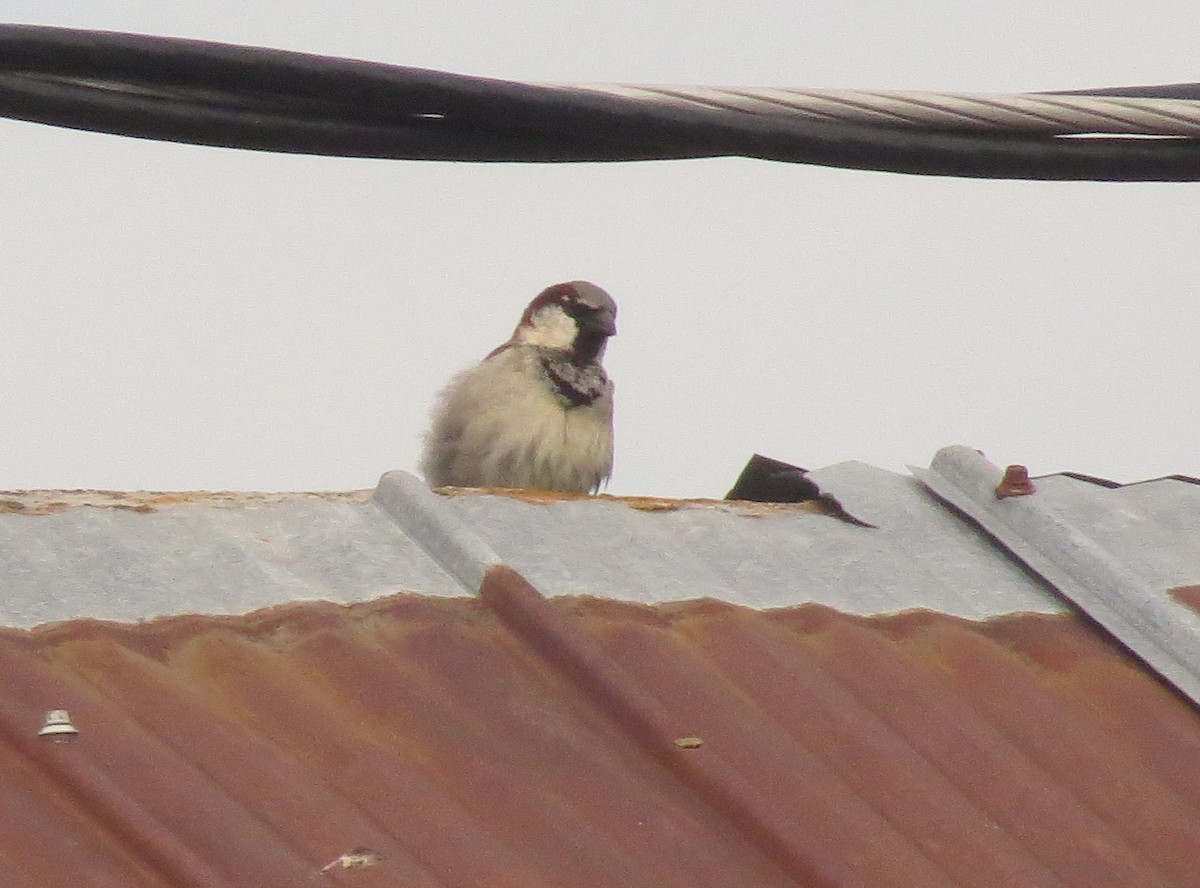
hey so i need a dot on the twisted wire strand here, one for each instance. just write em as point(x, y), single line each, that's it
point(1028, 113)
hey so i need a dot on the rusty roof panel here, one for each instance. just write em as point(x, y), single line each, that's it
point(519, 741)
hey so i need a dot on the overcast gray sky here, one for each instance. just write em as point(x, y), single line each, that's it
point(180, 317)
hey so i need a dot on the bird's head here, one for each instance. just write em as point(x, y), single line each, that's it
point(576, 318)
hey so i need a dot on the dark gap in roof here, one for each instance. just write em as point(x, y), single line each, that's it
point(1112, 485)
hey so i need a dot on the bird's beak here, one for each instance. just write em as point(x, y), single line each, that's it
point(602, 321)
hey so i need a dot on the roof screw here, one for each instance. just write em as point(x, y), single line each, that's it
point(58, 726)
point(1015, 483)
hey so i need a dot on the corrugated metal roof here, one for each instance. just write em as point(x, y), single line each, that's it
point(136, 556)
point(749, 699)
point(918, 750)
point(1115, 553)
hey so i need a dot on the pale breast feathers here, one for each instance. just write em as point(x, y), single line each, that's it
point(530, 415)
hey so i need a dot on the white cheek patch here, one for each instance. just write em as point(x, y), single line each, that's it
point(551, 327)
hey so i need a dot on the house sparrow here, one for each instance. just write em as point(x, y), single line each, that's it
point(537, 411)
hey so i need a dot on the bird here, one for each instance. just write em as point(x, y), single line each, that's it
point(536, 412)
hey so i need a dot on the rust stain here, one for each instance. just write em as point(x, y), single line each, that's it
point(47, 502)
point(644, 503)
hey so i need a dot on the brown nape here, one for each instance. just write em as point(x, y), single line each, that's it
point(558, 294)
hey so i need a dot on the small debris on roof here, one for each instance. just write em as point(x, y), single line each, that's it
point(353, 859)
point(767, 480)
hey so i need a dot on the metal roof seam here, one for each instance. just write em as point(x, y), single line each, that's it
point(1165, 635)
point(422, 515)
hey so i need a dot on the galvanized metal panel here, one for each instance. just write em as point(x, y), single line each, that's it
point(1081, 539)
point(1152, 527)
point(134, 557)
point(920, 555)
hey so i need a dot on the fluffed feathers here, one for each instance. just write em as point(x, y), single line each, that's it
point(536, 412)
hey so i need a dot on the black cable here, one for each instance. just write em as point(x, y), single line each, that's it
point(1190, 91)
point(271, 100)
